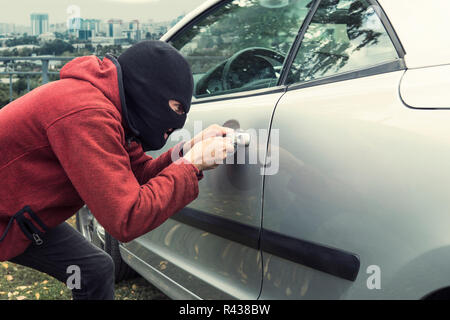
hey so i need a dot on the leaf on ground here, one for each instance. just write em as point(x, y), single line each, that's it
point(163, 265)
point(9, 277)
point(21, 298)
point(134, 287)
point(37, 295)
point(5, 265)
point(44, 282)
point(21, 288)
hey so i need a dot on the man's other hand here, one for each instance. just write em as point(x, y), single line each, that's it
point(209, 153)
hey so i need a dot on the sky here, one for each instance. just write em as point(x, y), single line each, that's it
point(18, 11)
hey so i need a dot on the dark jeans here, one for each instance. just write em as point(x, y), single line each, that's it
point(64, 247)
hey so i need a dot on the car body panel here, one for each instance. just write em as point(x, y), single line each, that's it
point(362, 175)
point(427, 88)
point(422, 27)
point(175, 275)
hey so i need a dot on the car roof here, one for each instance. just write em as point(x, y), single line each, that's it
point(421, 26)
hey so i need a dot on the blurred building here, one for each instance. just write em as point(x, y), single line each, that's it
point(39, 23)
point(84, 29)
point(108, 41)
point(7, 28)
point(158, 28)
point(93, 25)
point(115, 28)
point(58, 27)
point(133, 31)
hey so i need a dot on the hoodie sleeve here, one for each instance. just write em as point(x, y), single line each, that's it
point(144, 166)
point(89, 146)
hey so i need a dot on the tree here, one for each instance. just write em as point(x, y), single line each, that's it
point(25, 39)
point(59, 35)
point(112, 49)
point(56, 47)
point(4, 95)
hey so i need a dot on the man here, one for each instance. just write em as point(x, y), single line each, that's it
point(81, 140)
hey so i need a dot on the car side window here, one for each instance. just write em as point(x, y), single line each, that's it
point(242, 45)
point(344, 35)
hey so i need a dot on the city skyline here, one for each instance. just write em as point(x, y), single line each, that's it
point(59, 12)
point(39, 23)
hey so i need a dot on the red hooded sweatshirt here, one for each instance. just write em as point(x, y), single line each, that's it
point(63, 145)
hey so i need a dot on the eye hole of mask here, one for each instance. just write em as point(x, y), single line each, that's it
point(177, 107)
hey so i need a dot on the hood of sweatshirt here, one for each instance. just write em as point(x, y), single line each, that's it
point(106, 76)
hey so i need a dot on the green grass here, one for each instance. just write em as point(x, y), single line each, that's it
point(22, 283)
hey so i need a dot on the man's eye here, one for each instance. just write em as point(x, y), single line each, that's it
point(180, 109)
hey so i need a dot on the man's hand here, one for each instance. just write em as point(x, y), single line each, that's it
point(210, 153)
point(211, 132)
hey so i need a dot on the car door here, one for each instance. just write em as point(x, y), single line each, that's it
point(210, 250)
point(326, 211)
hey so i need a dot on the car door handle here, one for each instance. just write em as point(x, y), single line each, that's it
point(241, 138)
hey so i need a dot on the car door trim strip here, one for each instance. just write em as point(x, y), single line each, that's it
point(387, 67)
point(239, 95)
point(225, 228)
point(330, 260)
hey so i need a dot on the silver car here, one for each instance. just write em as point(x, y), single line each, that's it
point(344, 188)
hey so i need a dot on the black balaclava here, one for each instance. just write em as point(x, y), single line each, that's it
point(153, 73)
